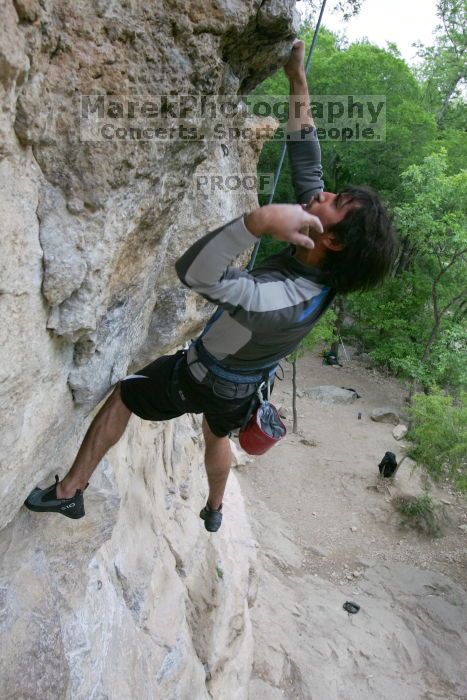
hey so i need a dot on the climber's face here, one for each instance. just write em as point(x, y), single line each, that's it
point(330, 208)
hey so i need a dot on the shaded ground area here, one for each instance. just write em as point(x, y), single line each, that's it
point(328, 532)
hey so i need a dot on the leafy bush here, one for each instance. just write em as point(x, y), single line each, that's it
point(420, 513)
point(439, 435)
point(415, 324)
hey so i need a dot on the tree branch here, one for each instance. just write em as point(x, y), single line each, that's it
point(454, 259)
point(450, 303)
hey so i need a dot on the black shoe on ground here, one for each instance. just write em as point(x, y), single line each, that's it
point(46, 501)
point(212, 518)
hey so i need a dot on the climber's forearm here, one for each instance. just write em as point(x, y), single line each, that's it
point(302, 140)
point(204, 264)
point(299, 103)
point(204, 267)
point(302, 144)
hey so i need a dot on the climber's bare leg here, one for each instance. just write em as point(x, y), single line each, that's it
point(217, 460)
point(105, 430)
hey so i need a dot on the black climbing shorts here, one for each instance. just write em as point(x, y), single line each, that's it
point(166, 389)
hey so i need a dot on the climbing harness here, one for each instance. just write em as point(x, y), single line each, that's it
point(232, 375)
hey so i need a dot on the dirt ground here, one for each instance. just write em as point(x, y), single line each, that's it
point(323, 518)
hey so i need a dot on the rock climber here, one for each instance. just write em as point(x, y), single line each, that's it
point(338, 243)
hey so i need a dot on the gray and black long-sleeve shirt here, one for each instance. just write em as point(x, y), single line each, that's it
point(265, 312)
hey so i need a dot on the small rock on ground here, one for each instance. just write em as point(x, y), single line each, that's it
point(331, 394)
point(400, 431)
point(385, 414)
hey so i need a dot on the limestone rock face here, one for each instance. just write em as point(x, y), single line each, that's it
point(331, 394)
point(90, 230)
point(288, 656)
point(135, 599)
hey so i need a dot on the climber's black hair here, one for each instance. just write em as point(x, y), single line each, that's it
point(370, 243)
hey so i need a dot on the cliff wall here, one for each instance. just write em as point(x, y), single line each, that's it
point(136, 599)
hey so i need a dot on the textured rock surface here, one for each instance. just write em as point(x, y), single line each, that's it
point(331, 394)
point(385, 414)
point(327, 534)
point(89, 235)
point(391, 648)
point(90, 231)
point(400, 431)
point(135, 599)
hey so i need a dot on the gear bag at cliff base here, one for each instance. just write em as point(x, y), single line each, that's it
point(264, 429)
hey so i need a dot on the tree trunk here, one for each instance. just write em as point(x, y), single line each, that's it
point(406, 256)
point(294, 396)
point(447, 98)
point(433, 335)
point(338, 326)
point(438, 313)
point(336, 167)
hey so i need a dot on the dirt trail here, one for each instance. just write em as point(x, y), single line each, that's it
point(327, 532)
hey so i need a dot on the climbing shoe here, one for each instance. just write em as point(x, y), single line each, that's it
point(46, 501)
point(212, 518)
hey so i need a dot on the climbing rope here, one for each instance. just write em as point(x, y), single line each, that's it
point(277, 173)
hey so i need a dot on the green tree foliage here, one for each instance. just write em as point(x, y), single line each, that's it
point(364, 69)
point(417, 315)
point(443, 80)
point(419, 513)
point(359, 69)
point(415, 323)
point(439, 435)
point(347, 8)
point(443, 66)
